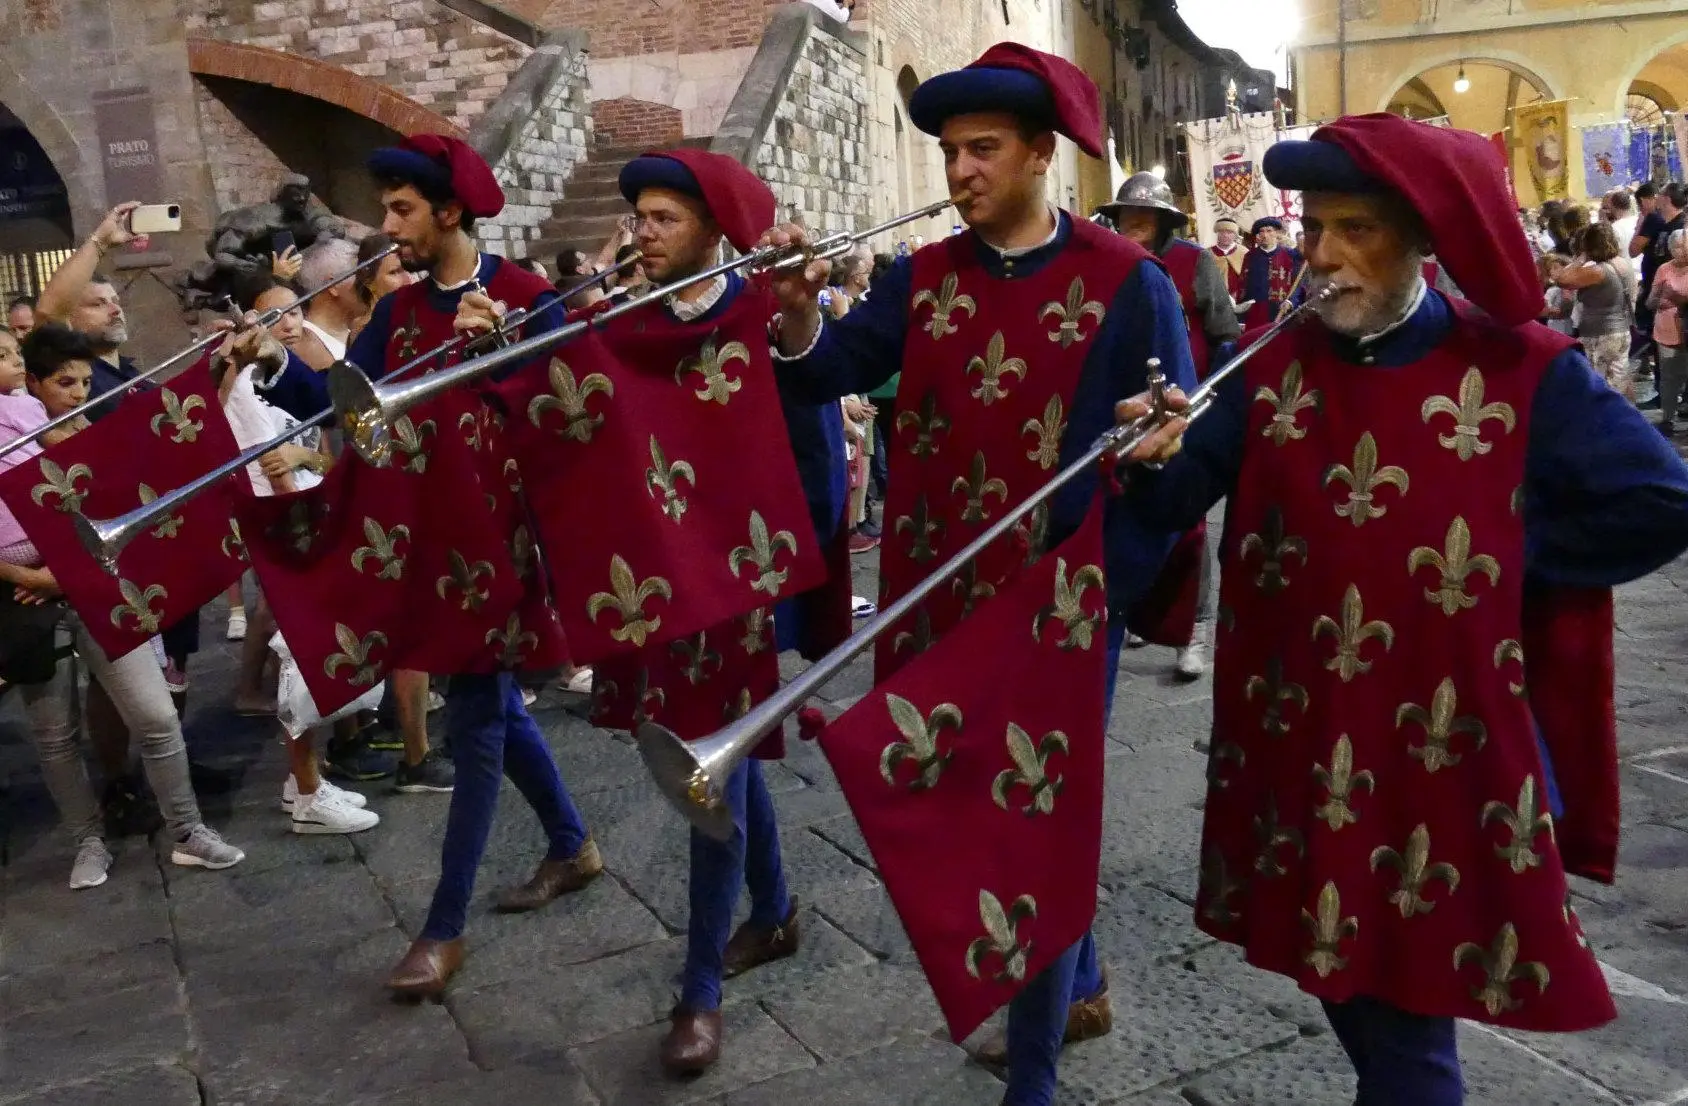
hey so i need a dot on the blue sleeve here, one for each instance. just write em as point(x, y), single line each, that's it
point(368, 350)
point(297, 389)
point(549, 314)
point(859, 352)
point(1204, 471)
point(1145, 320)
point(1605, 494)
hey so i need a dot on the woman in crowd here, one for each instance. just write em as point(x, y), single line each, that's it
point(1605, 286)
point(1670, 292)
point(57, 364)
point(383, 278)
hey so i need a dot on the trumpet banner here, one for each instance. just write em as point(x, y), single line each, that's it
point(1226, 178)
point(661, 479)
point(155, 442)
point(981, 799)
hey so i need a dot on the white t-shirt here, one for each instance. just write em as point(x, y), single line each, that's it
point(336, 347)
point(253, 420)
point(1623, 230)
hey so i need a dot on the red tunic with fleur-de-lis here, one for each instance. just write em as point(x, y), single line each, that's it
point(1377, 821)
point(990, 366)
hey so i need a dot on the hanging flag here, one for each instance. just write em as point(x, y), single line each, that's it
point(981, 799)
point(1225, 168)
point(1605, 157)
point(1542, 131)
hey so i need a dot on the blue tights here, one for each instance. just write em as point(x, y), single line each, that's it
point(1401, 1059)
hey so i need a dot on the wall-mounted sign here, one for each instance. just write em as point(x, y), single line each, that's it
point(30, 187)
point(128, 133)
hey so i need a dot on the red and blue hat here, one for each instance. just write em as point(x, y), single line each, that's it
point(1269, 221)
point(1045, 90)
point(446, 164)
point(739, 202)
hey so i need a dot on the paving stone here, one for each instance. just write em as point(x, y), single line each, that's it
point(1307, 1072)
point(824, 949)
point(557, 1084)
point(806, 806)
point(842, 1013)
point(140, 1026)
point(867, 916)
point(590, 759)
point(263, 833)
point(623, 1070)
point(1135, 923)
point(923, 1071)
point(86, 980)
point(46, 923)
point(167, 1084)
point(1499, 1073)
point(332, 964)
point(1639, 1056)
point(219, 915)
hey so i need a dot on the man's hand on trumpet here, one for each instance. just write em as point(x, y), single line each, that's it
point(1167, 436)
point(797, 288)
point(251, 344)
point(479, 313)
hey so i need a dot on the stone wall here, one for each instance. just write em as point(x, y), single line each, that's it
point(243, 170)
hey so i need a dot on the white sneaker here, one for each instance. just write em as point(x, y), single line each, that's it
point(204, 847)
point(93, 860)
point(290, 794)
point(1132, 641)
point(435, 701)
point(1192, 661)
point(580, 683)
point(529, 697)
point(330, 812)
point(237, 625)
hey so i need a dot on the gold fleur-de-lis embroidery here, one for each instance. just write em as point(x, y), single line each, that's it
point(511, 641)
point(466, 579)
point(1527, 821)
point(1441, 726)
point(62, 483)
point(1511, 650)
point(919, 746)
point(1469, 415)
point(992, 367)
point(178, 416)
point(137, 604)
point(1031, 771)
point(471, 425)
point(1033, 533)
point(971, 589)
point(522, 553)
point(1278, 695)
point(233, 545)
point(1223, 753)
point(1328, 930)
point(1218, 888)
point(569, 398)
point(1049, 430)
point(1270, 836)
point(711, 364)
point(664, 479)
point(921, 638)
point(1455, 565)
point(755, 637)
point(924, 528)
point(1068, 606)
point(1288, 402)
point(411, 439)
point(628, 598)
point(1416, 871)
point(171, 526)
point(944, 303)
point(978, 489)
point(738, 706)
point(927, 423)
point(407, 336)
point(382, 549)
point(1002, 937)
point(1351, 635)
point(1275, 549)
point(354, 654)
point(299, 528)
point(1363, 480)
point(760, 554)
point(1072, 315)
point(698, 657)
point(512, 475)
point(1341, 783)
point(1501, 969)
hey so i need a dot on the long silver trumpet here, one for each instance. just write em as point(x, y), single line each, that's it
point(368, 410)
point(693, 775)
point(105, 539)
point(267, 318)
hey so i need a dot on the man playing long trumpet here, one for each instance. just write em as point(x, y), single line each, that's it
point(1014, 340)
point(1420, 496)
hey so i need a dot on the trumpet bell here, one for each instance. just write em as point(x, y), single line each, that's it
point(692, 776)
point(106, 538)
point(358, 403)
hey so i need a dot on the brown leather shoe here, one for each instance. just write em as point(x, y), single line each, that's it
point(554, 878)
point(426, 968)
point(752, 946)
point(693, 1043)
point(1087, 1019)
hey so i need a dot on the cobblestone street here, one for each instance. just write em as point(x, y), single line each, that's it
point(262, 985)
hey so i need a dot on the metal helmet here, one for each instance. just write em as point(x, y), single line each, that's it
point(1145, 190)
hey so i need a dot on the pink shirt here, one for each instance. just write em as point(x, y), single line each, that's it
point(1667, 318)
point(19, 414)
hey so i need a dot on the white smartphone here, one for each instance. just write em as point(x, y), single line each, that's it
point(155, 219)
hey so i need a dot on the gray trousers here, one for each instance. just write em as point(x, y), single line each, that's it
point(136, 686)
point(1673, 374)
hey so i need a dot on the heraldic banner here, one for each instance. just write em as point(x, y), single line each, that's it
point(155, 442)
point(1225, 173)
point(981, 799)
point(1542, 131)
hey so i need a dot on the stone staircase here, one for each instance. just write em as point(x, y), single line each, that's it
point(591, 203)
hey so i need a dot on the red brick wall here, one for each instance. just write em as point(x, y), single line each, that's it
point(625, 121)
point(620, 28)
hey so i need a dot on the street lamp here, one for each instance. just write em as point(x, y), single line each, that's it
point(1462, 84)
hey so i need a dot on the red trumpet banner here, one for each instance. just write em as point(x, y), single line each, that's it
point(981, 799)
point(155, 442)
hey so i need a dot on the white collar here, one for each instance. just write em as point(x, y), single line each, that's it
point(688, 310)
point(1021, 251)
point(1412, 309)
point(474, 277)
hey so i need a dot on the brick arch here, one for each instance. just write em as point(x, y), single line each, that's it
point(49, 129)
point(209, 57)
